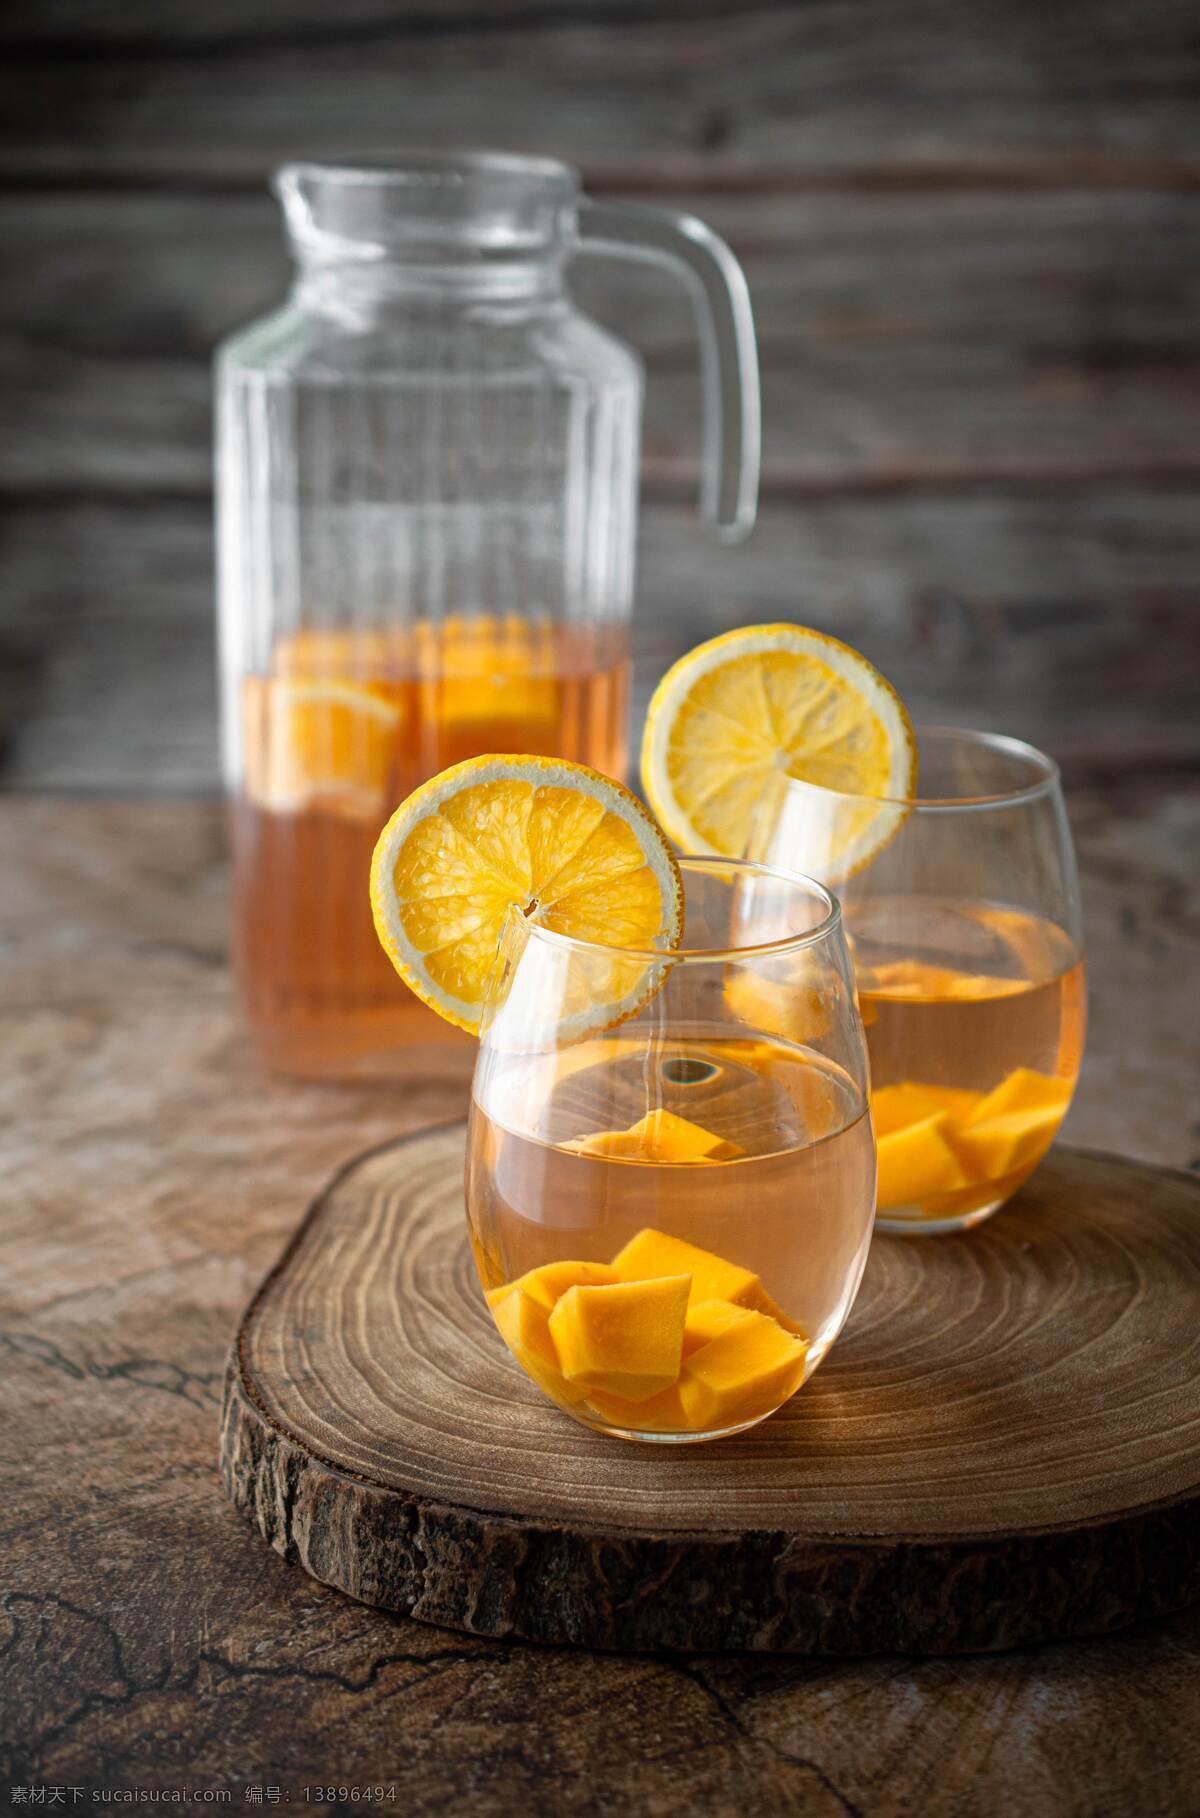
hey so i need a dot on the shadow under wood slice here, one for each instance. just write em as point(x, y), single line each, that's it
point(1003, 1448)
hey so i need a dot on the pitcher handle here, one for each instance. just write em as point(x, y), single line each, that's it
point(728, 351)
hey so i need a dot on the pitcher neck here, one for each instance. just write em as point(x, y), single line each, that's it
point(469, 227)
point(336, 287)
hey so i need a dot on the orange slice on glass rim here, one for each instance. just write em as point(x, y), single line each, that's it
point(736, 715)
point(570, 849)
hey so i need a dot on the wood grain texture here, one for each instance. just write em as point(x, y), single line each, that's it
point(822, 91)
point(144, 1636)
point(150, 1175)
point(1004, 1447)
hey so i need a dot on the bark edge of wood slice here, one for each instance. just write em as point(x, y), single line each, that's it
point(1002, 1448)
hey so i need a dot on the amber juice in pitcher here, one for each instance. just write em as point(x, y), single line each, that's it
point(345, 726)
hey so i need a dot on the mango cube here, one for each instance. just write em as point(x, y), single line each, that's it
point(617, 1145)
point(1023, 1090)
point(896, 1107)
point(549, 1282)
point(792, 1006)
point(996, 1146)
point(671, 1138)
point(660, 1136)
point(653, 1253)
point(707, 1319)
point(747, 1370)
point(525, 1328)
point(663, 1413)
point(762, 1303)
point(624, 1339)
point(916, 981)
point(918, 1161)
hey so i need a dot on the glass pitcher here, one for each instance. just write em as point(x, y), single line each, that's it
point(427, 467)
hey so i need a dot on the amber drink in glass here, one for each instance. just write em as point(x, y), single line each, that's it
point(962, 913)
point(670, 1217)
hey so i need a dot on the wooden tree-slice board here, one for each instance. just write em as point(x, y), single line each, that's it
point(1003, 1447)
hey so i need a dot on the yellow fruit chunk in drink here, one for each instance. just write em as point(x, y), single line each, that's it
point(920, 982)
point(613, 1145)
point(663, 1413)
point(707, 1319)
point(743, 1372)
point(896, 1107)
point(671, 1138)
point(660, 1136)
point(625, 1339)
point(1023, 1090)
point(994, 1146)
point(918, 1161)
point(525, 1328)
point(795, 1008)
point(654, 1253)
point(761, 1302)
point(549, 1283)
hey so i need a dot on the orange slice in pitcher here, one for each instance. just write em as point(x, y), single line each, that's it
point(571, 850)
point(766, 702)
point(321, 740)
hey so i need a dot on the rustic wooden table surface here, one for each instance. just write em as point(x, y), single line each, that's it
point(972, 233)
point(150, 1175)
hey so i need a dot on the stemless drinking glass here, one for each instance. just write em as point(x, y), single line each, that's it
point(962, 914)
point(670, 1216)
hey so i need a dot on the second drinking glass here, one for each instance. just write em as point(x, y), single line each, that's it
point(671, 1217)
point(962, 914)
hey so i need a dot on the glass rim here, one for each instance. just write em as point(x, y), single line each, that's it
point(828, 926)
point(428, 170)
point(1045, 783)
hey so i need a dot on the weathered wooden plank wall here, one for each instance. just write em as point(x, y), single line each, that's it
point(972, 233)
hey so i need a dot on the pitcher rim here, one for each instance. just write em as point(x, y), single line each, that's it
point(427, 170)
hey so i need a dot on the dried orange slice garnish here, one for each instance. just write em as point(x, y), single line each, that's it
point(769, 701)
point(572, 850)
